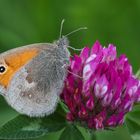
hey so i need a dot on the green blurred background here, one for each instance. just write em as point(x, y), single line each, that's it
point(109, 21)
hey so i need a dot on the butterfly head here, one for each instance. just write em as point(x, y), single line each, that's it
point(62, 42)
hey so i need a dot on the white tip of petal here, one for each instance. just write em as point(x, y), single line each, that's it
point(100, 91)
point(125, 59)
point(132, 90)
point(86, 69)
point(104, 90)
point(127, 105)
point(87, 72)
point(92, 57)
point(97, 90)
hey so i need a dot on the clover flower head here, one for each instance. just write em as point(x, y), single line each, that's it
point(106, 90)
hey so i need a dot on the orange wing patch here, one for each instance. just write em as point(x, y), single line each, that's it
point(14, 61)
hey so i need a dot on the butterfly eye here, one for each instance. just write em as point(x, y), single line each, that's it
point(2, 69)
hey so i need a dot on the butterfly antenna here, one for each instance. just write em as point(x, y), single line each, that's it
point(61, 27)
point(75, 74)
point(65, 66)
point(74, 48)
point(76, 30)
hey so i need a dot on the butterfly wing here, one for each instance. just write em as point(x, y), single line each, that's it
point(35, 86)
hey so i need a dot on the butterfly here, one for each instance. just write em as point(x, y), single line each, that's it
point(32, 76)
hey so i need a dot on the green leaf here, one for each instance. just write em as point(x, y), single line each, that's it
point(23, 127)
point(132, 121)
point(63, 105)
point(71, 132)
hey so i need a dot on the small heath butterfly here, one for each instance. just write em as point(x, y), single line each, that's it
point(32, 76)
